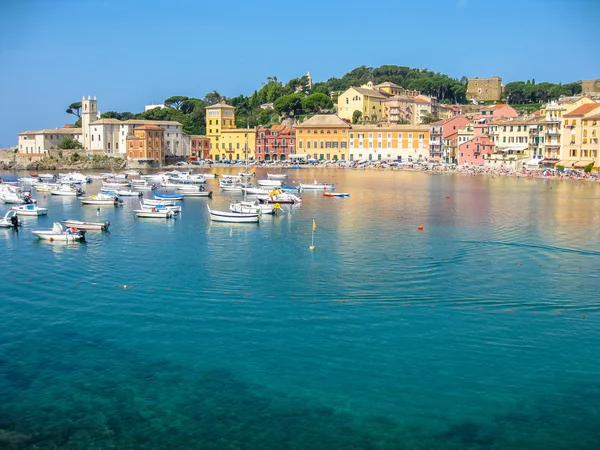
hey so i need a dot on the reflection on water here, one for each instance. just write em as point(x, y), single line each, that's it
point(480, 331)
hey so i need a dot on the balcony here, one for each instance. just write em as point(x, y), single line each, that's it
point(552, 143)
point(553, 132)
point(552, 119)
point(434, 142)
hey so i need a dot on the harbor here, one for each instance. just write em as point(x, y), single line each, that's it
point(436, 310)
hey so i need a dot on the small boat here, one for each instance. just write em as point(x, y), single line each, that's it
point(336, 194)
point(255, 191)
point(158, 196)
point(253, 207)
point(101, 199)
point(269, 183)
point(232, 217)
point(67, 190)
point(154, 213)
point(46, 177)
point(132, 172)
point(288, 188)
point(9, 220)
point(175, 208)
point(149, 201)
point(45, 187)
point(246, 174)
point(14, 195)
point(316, 186)
point(122, 192)
point(29, 180)
point(277, 176)
point(197, 194)
point(116, 185)
point(278, 196)
point(30, 210)
point(58, 233)
point(100, 226)
point(142, 185)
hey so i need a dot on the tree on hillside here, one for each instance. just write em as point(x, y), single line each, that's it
point(314, 103)
point(175, 101)
point(428, 118)
point(75, 109)
point(117, 115)
point(68, 143)
point(190, 104)
point(289, 104)
point(356, 115)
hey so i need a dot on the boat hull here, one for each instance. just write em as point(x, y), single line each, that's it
point(149, 214)
point(198, 194)
point(51, 236)
point(316, 187)
point(230, 217)
point(94, 226)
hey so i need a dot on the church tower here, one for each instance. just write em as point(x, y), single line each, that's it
point(89, 114)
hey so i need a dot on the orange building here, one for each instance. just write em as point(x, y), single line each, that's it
point(199, 147)
point(323, 137)
point(146, 144)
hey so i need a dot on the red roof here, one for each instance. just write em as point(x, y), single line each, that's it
point(583, 109)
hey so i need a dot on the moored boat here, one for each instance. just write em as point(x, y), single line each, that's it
point(197, 194)
point(232, 217)
point(316, 186)
point(10, 219)
point(30, 209)
point(336, 194)
point(278, 196)
point(249, 207)
point(269, 183)
point(158, 196)
point(154, 213)
point(94, 226)
point(58, 233)
point(277, 176)
point(67, 190)
point(101, 199)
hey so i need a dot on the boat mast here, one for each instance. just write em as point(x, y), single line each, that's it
point(246, 176)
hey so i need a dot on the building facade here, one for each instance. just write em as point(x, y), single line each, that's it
point(475, 151)
point(38, 144)
point(402, 109)
point(408, 143)
point(146, 144)
point(444, 138)
point(484, 89)
point(227, 142)
point(199, 147)
point(579, 138)
point(590, 86)
point(275, 143)
point(323, 137)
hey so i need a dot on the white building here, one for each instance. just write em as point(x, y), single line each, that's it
point(39, 143)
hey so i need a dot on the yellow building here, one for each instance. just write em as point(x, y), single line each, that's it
point(323, 137)
point(226, 141)
point(579, 139)
point(365, 99)
point(389, 142)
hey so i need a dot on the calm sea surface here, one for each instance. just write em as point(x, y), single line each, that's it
point(481, 332)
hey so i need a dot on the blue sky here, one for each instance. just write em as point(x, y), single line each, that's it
point(130, 53)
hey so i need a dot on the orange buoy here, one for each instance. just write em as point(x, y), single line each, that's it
point(51, 239)
point(421, 227)
point(447, 196)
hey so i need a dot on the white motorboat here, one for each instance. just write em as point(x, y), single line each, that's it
point(45, 187)
point(197, 194)
point(277, 176)
point(158, 196)
point(29, 180)
point(175, 208)
point(232, 217)
point(115, 184)
point(132, 172)
point(67, 190)
point(94, 226)
point(316, 186)
point(14, 195)
point(101, 199)
point(278, 196)
point(46, 177)
point(58, 233)
point(249, 207)
point(269, 183)
point(142, 185)
point(154, 213)
point(122, 192)
point(255, 191)
point(72, 178)
point(30, 210)
point(149, 201)
point(246, 174)
point(9, 220)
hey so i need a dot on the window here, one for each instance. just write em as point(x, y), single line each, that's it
point(299, 144)
point(422, 136)
point(210, 122)
point(307, 144)
point(343, 144)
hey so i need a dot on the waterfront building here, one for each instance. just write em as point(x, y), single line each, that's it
point(35, 145)
point(323, 137)
point(444, 138)
point(227, 142)
point(512, 138)
point(579, 139)
point(146, 144)
point(484, 89)
point(466, 134)
point(403, 109)
point(275, 143)
point(199, 147)
point(475, 151)
point(389, 142)
point(498, 111)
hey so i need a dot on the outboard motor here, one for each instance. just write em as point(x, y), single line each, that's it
point(15, 221)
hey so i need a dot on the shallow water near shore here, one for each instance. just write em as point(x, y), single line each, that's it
point(481, 331)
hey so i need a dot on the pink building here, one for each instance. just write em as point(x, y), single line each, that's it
point(498, 112)
point(440, 148)
point(275, 143)
point(472, 152)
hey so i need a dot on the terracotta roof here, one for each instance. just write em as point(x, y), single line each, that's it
point(105, 121)
point(583, 109)
point(324, 120)
point(494, 107)
point(370, 92)
point(151, 122)
point(53, 131)
point(220, 105)
point(149, 127)
point(419, 100)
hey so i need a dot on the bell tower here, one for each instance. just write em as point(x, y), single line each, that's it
point(89, 113)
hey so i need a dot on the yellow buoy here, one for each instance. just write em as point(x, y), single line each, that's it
point(312, 247)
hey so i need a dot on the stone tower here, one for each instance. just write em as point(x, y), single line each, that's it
point(89, 113)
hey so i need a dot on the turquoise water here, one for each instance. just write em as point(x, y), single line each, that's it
point(479, 332)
